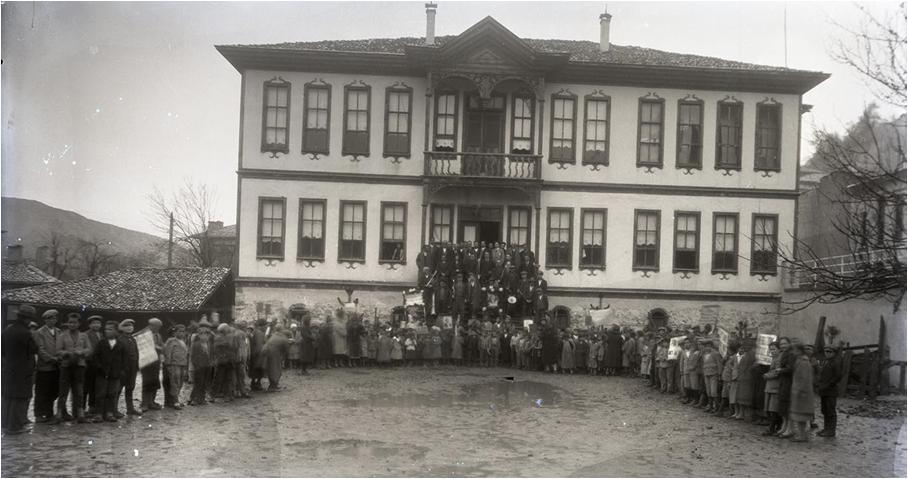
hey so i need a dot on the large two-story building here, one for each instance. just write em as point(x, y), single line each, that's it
point(659, 183)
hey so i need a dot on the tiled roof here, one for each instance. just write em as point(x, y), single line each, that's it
point(225, 232)
point(134, 289)
point(24, 273)
point(579, 51)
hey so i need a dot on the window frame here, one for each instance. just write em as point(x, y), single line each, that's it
point(758, 132)
point(587, 99)
point(529, 226)
point(340, 231)
point(740, 137)
point(661, 102)
point(658, 245)
point(775, 244)
point(456, 118)
point(675, 249)
point(563, 95)
point(345, 147)
point(275, 147)
point(316, 85)
point(548, 235)
point(699, 163)
point(381, 233)
point(450, 208)
point(737, 248)
point(299, 240)
point(386, 153)
point(601, 265)
point(532, 117)
point(258, 239)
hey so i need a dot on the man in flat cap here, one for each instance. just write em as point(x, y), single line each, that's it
point(95, 335)
point(18, 371)
point(130, 367)
point(151, 374)
point(72, 349)
point(47, 378)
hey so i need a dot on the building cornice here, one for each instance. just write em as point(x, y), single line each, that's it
point(575, 186)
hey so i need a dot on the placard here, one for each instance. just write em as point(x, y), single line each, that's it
point(447, 322)
point(527, 323)
point(145, 342)
point(674, 347)
point(599, 317)
point(763, 342)
point(413, 299)
point(723, 341)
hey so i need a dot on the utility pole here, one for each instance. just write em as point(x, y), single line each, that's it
point(170, 244)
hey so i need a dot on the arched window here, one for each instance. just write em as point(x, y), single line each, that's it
point(658, 318)
point(561, 315)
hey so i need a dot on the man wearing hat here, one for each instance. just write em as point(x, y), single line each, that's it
point(18, 371)
point(72, 349)
point(151, 374)
point(47, 378)
point(130, 367)
point(95, 335)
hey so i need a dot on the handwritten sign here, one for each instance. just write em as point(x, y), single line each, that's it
point(145, 342)
point(527, 323)
point(674, 347)
point(723, 341)
point(413, 298)
point(763, 341)
point(599, 317)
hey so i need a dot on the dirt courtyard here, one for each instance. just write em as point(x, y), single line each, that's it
point(449, 422)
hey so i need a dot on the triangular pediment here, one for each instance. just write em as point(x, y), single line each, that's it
point(487, 43)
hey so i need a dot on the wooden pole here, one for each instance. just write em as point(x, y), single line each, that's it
point(846, 372)
point(170, 244)
point(819, 341)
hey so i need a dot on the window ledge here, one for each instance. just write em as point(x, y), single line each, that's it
point(728, 168)
point(689, 167)
point(561, 163)
point(263, 257)
point(392, 261)
point(396, 156)
point(764, 273)
point(315, 152)
point(592, 267)
point(354, 260)
point(775, 170)
point(689, 271)
point(313, 259)
point(275, 149)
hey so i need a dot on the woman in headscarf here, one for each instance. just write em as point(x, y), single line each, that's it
point(567, 353)
point(784, 372)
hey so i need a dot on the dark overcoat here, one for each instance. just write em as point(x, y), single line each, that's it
point(18, 366)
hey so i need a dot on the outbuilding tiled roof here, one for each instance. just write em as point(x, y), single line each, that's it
point(579, 51)
point(133, 289)
point(225, 232)
point(21, 272)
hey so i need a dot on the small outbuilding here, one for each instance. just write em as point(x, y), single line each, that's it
point(175, 295)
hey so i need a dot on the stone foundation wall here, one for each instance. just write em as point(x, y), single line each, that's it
point(253, 302)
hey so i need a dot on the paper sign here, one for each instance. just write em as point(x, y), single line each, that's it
point(763, 341)
point(600, 316)
point(723, 341)
point(145, 342)
point(447, 322)
point(674, 347)
point(413, 299)
point(527, 323)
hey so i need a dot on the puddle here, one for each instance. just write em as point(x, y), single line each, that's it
point(355, 449)
point(504, 394)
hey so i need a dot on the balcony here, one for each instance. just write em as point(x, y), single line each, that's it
point(842, 266)
point(482, 165)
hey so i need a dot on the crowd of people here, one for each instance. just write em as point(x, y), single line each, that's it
point(80, 374)
point(497, 303)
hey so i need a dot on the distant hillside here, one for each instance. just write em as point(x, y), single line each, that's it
point(33, 222)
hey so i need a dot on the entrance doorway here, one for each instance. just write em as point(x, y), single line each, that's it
point(480, 223)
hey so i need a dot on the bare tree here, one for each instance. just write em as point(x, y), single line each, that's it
point(191, 206)
point(867, 170)
point(61, 254)
point(96, 256)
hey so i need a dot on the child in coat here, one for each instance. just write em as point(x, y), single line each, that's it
point(662, 365)
point(711, 365)
point(176, 362)
point(592, 360)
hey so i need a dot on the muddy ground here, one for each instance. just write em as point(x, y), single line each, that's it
point(449, 422)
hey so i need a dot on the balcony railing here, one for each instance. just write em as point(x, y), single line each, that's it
point(842, 265)
point(482, 165)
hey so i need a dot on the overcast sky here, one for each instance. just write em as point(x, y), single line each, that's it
point(101, 102)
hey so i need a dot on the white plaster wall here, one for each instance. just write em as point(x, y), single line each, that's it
point(620, 235)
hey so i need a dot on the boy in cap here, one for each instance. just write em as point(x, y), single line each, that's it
point(47, 377)
point(224, 355)
point(109, 357)
point(200, 357)
point(130, 367)
point(176, 365)
point(827, 388)
point(712, 367)
point(72, 349)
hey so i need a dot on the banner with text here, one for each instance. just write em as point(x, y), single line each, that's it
point(763, 342)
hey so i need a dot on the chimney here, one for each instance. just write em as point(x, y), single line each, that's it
point(430, 23)
point(604, 20)
point(14, 252)
point(215, 225)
